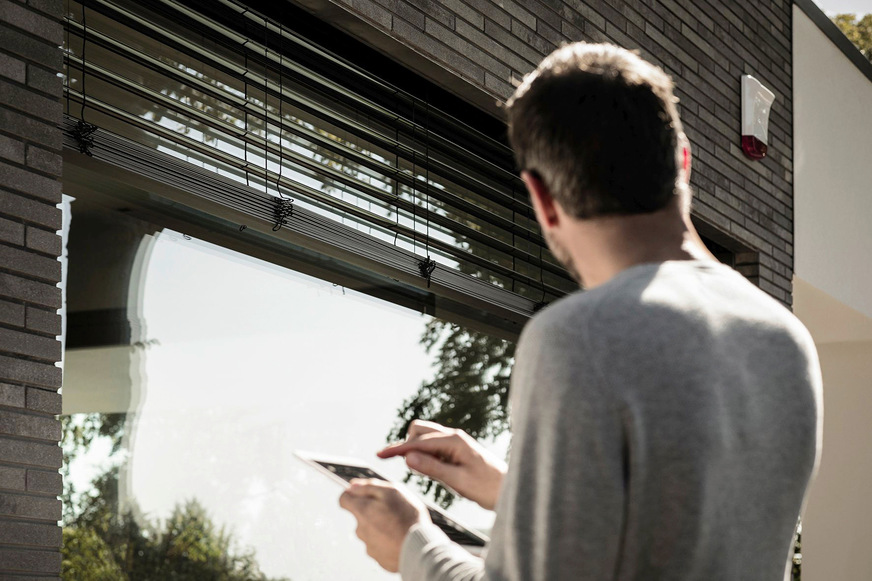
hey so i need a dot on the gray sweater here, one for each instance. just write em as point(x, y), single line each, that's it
point(666, 425)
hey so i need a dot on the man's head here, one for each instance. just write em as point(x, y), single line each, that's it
point(599, 127)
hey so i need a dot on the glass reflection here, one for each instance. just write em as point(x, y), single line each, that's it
point(193, 372)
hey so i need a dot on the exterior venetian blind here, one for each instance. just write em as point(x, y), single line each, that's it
point(260, 112)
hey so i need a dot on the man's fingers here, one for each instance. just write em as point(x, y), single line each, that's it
point(420, 427)
point(361, 492)
point(431, 466)
point(350, 502)
point(391, 451)
point(384, 516)
point(417, 429)
point(368, 488)
point(437, 444)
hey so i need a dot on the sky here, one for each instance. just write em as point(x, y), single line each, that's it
point(253, 363)
point(831, 7)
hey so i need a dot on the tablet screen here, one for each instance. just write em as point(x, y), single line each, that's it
point(347, 472)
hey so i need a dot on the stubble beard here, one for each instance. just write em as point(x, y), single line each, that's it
point(563, 257)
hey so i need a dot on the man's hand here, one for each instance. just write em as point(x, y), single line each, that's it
point(384, 516)
point(454, 459)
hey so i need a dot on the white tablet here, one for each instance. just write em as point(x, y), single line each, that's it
point(343, 470)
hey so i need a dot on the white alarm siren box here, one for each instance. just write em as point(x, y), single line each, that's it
point(756, 103)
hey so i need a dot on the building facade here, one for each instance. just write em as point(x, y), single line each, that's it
point(830, 293)
point(250, 171)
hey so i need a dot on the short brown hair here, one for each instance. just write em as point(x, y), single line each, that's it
point(600, 128)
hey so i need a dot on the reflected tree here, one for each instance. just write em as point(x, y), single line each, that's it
point(796, 566)
point(103, 540)
point(78, 434)
point(469, 390)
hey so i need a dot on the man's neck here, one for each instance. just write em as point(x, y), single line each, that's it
point(603, 247)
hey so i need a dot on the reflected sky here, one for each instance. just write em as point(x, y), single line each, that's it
point(833, 7)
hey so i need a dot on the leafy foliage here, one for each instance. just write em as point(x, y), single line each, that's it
point(77, 436)
point(470, 389)
point(87, 557)
point(858, 30)
point(796, 565)
point(188, 546)
point(104, 541)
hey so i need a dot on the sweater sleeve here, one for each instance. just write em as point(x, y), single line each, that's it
point(561, 508)
point(428, 554)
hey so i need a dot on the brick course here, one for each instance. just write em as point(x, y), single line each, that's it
point(30, 167)
point(11, 395)
point(40, 481)
point(43, 321)
point(21, 533)
point(42, 400)
point(705, 45)
point(31, 453)
point(11, 313)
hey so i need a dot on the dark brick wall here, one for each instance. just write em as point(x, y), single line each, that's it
point(30, 189)
point(705, 45)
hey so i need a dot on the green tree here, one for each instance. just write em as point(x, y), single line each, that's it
point(186, 547)
point(858, 30)
point(104, 541)
point(77, 434)
point(796, 568)
point(87, 557)
point(469, 391)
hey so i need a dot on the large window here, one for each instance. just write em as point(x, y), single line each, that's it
point(192, 374)
point(209, 336)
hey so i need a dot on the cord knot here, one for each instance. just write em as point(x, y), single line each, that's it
point(426, 268)
point(283, 208)
point(83, 133)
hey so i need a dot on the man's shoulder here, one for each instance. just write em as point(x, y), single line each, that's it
point(567, 314)
point(573, 312)
point(642, 301)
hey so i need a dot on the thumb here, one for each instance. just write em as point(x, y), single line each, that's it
point(431, 466)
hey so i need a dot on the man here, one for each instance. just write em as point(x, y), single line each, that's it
point(667, 420)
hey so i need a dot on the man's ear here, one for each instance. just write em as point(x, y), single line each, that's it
point(543, 203)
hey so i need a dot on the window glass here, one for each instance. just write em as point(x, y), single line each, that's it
point(193, 373)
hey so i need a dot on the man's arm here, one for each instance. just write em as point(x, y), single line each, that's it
point(388, 522)
point(560, 512)
point(427, 554)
